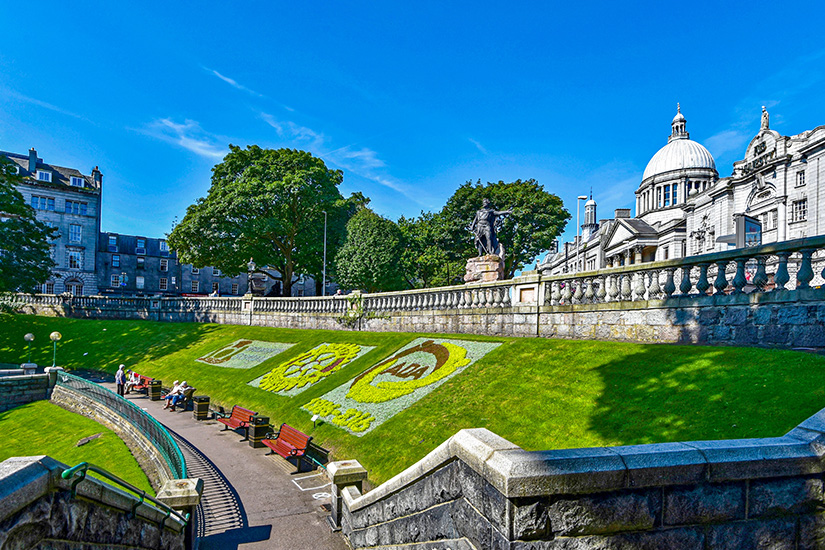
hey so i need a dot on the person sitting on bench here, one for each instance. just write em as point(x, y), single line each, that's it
point(172, 393)
point(179, 396)
point(132, 380)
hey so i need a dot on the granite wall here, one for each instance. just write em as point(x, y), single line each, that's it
point(22, 389)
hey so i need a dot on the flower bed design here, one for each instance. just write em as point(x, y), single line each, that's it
point(243, 354)
point(389, 387)
point(299, 373)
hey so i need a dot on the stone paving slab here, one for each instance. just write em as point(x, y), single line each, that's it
point(268, 504)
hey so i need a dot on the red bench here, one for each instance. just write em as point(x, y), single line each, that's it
point(238, 418)
point(142, 384)
point(288, 442)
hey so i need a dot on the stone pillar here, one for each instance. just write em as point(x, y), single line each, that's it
point(258, 428)
point(342, 474)
point(154, 389)
point(201, 407)
point(484, 269)
point(29, 368)
point(637, 254)
point(52, 372)
point(183, 495)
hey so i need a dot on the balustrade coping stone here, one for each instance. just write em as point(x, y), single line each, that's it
point(518, 473)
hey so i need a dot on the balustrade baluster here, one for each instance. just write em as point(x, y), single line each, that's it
point(555, 293)
point(806, 272)
point(589, 293)
point(577, 296)
point(739, 280)
point(614, 288)
point(654, 290)
point(567, 294)
point(721, 282)
point(702, 285)
point(627, 293)
point(670, 285)
point(639, 289)
point(782, 277)
point(602, 290)
point(686, 285)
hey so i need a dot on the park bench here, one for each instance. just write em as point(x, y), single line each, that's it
point(142, 384)
point(288, 442)
point(238, 418)
point(187, 400)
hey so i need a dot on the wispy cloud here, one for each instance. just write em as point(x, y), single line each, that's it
point(34, 101)
point(290, 130)
point(232, 82)
point(479, 146)
point(188, 135)
point(728, 141)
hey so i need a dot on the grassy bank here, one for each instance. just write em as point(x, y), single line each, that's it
point(537, 393)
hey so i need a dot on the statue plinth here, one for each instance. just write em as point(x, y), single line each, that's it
point(483, 269)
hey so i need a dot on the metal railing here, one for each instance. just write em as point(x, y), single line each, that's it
point(143, 422)
point(84, 467)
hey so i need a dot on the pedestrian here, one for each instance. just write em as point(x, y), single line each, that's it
point(177, 398)
point(175, 391)
point(120, 379)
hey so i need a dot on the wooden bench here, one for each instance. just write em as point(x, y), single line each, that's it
point(238, 418)
point(142, 384)
point(184, 403)
point(288, 442)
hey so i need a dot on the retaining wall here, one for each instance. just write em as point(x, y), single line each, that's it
point(22, 389)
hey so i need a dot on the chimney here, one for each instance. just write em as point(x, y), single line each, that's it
point(32, 160)
point(97, 176)
point(622, 213)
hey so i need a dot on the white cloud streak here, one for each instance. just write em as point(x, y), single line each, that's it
point(232, 82)
point(479, 146)
point(43, 104)
point(188, 135)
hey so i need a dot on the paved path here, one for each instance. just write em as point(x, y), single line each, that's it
point(251, 500)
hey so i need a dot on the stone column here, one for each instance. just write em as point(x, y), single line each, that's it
point(183, 495)
point(342, 474)
point(258, 428)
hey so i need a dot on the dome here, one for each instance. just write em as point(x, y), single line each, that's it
point(679, 154)
point(591, 202)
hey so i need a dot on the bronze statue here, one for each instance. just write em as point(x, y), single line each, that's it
point(484, 228)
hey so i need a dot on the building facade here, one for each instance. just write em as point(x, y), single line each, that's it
point(683, 208)
point(68, 200)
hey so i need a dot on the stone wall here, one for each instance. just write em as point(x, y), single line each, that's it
point(37, 510)
point(22, 389)
point(477, 490)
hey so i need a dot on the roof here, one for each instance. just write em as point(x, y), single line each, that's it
point(679, 154)
point(640, 227)
point(61, 175)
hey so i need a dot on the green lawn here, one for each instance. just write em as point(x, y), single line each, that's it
point(537, 393)
point(41, 428)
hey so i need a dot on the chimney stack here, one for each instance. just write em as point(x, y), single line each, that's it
point(97, 176)
point(622, 213)
point(32, 160)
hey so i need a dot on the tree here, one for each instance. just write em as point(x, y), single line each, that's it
point(370, 256)
point(538, 218)
point(25, 258)
point(427, 259)
point(266, 205)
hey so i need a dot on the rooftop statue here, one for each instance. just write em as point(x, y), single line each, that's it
point(484, 228)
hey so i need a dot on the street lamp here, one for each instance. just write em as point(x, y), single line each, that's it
point(578, 230)
point(250, 269)
point(324, 276)
point(29, 337)
point(55, 337)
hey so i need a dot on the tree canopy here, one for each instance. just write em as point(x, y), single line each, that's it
point(370, 256)
point(429, 258)
point(25, 258)
point(268, 205)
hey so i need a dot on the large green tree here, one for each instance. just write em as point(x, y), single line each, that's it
point(538, 217)
point(267, 205)
point(25, 259)
point(428, 257)
point(370, 256)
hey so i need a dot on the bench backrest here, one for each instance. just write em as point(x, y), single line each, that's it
point(290, 435)
point(241, 414)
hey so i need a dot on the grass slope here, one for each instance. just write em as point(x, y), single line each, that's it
point(41, 428)
point(537, 393)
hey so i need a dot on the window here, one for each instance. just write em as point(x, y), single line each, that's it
point(43, 175)
point(139, 282)
point(769, 220)
point(75, 233)
point(799, 210)
point(140, 248)
point(667, 195)
point(114, 282)
point(774, 219)
point(164, 247)
point(164, 264)
point(195, 286)
point(112, 243)
point(76, 181)
point(800, 178)
point(115, 260)
point(215, 287)
point(42, 203)
point(163, 285)
point(658, 197)
point(141, 262)
point(234, 288)
point(216, 272)
point(675, 192)
point(48, 288)
point(195, 270)
point(74, 259)
point(74, 207)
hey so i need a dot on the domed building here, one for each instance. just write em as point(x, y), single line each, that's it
point(683, 207)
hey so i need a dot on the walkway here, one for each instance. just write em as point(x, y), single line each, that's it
point(250, 500)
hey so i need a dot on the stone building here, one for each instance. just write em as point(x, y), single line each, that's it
point(683, 208)
point(70, 201)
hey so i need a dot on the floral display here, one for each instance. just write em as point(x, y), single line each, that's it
point(389, 387)
point(299, 373)
point(243, 354)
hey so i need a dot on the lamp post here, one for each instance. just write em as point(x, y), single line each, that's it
point(578, 230)
point(324, 276)
point(29, 338)
point(55, 337)
point(250, 269)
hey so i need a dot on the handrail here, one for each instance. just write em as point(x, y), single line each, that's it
point(83, 467)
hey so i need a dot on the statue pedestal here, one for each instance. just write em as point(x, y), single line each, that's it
point(483, 269)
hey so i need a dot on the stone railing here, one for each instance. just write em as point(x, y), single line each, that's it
point(477, 490)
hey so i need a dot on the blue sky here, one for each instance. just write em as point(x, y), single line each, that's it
point(410, 100)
